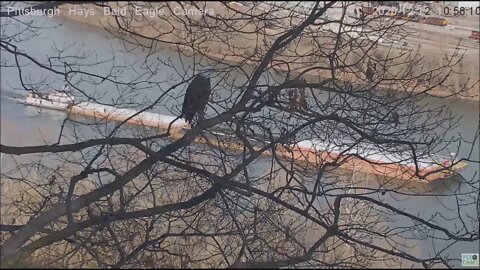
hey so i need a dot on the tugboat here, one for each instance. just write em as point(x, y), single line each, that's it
point(59, 100)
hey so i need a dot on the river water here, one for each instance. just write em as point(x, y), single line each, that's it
point(22, 125)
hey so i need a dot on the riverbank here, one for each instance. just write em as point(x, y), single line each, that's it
point(467, 69)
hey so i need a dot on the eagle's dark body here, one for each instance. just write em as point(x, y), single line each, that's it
point(371, 70)
point(395, 119)
point(370, 73)
point(196, 97)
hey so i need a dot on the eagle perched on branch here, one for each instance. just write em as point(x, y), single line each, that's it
point(196, 97)
point(371, 70)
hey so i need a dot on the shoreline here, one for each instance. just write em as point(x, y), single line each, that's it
point(437, 92)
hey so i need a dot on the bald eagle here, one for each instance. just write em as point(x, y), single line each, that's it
point(369, 74)
point(395, 119)
point(196, 97)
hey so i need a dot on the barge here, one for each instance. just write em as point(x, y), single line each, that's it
point(60, 100)
point(362, 158)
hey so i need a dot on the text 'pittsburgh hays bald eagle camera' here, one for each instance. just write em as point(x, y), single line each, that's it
point(196, 97)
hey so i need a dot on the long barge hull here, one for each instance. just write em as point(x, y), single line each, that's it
point(297, 153)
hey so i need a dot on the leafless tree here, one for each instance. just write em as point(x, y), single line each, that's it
point(231, 192)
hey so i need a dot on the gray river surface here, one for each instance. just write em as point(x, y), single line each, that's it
point(22, 125)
